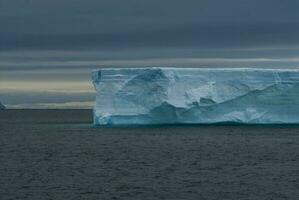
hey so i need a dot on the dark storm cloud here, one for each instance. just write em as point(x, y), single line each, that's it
point(204, 36)
point(104, 24)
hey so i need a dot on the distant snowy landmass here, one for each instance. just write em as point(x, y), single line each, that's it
point(141, 96)
point(2, 106)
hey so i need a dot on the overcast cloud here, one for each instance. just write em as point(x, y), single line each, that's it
point(103, 24)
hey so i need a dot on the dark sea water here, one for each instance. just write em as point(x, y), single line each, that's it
point(58, 154)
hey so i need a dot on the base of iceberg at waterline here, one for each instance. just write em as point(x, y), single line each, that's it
point(149, 96)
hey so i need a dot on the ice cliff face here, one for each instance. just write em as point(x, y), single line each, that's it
point(2, 106)
point(188, 95)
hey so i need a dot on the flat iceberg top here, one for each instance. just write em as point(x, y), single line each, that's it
point(195, 95)
point(194, 68)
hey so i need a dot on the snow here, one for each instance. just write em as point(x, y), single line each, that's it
point(141, 96)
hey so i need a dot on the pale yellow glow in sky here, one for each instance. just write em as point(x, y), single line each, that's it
point(50, 86)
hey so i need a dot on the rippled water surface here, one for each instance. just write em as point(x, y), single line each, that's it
point(58, 154)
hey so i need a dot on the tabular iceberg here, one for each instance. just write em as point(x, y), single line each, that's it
point(144, 96)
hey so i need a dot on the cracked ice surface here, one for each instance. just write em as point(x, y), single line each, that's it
point(141, 96)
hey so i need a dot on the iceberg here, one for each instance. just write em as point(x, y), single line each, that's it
point(152, 96)
point(2, 106)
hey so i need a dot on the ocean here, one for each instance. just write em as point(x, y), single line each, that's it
point(59, 154)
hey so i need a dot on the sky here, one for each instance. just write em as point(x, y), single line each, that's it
point(48, 48)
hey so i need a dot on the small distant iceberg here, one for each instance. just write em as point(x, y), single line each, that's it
point(2, 106)
point(152, 96)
